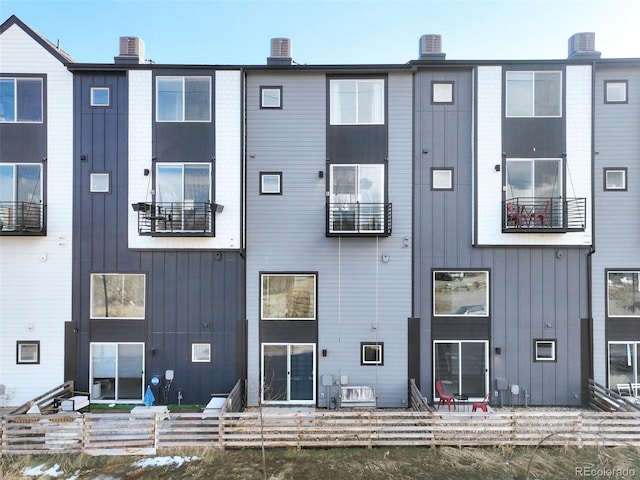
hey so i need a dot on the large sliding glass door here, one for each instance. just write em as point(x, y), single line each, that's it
point(623, 365)
point(116, 372)
point(288, 373)
point(462, 366)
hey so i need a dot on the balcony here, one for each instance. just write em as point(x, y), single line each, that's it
point(544, 215)
point(174, 219)
point(22, 218)
point(358, 219)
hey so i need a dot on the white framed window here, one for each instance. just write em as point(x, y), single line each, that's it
point(28, 351)
point(183, 99)
point(357, 102)
point(624, 368)
point(371, 353)
point(544, 350)
point(100, 96)
point(270, 183)
point(460, 293)
point(118, 295)
point(201, 352)
point(623, 293)
point(100, 182)
point(288, 296)
point(442, 92)
point(615, 178)
point(441, 178)
point(534, 94)
point(615, 91)
point(21, 100)
point(271, 97)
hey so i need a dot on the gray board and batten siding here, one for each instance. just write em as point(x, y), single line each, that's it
point(533, 291)
point(617, 230)
point(360, 298)
point(190, 295)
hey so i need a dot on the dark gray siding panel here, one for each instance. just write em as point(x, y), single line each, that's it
point(533, 137)
point(288, 331)
point(23, 142)
point(623, 330)
point(460, 328)
point(179, 142)
point(357, 144)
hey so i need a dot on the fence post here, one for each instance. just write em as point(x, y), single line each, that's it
point(221, 433)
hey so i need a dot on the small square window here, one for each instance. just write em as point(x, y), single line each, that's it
point(99, 96)
point(201, 352)
point(271, 183)
point(544, 350)
point(371, 353)
point(615, 91)
point(615, 178)
point(270, 97)
point(441, 178)
point(28, 352)
point(442, 92)
point(99, 182)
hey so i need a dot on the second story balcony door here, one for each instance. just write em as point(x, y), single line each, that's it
point(357, 198)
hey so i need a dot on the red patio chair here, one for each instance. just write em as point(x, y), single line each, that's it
point(481, 405)
point(444, 396)
point(542, 215)
point(513, 217)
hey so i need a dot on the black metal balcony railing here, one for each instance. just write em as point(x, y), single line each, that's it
point(175, 218)
point(551, 215)
point(359, 219)
point(22, 218)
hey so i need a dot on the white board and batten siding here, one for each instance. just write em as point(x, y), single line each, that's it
point(35, 272)
point(228, 162)
point(489, 153)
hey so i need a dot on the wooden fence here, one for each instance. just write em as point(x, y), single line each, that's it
point(119, 434)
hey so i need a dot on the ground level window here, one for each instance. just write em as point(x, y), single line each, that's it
point(200, 352)
point(371, 353)
point(544, 350)
point(624, 371)
point(615, 178)
point(28, 351)
point(270, 183)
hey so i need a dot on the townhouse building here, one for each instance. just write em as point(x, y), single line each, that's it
point(36, 150)
point(328, 232)
point(158, 271)
point(502, 227)
point(615, 272)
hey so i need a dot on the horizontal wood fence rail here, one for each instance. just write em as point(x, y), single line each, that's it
point(135, 433)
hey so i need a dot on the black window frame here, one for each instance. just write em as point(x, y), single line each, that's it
point(22, 343)
point(264, 88)
point(442, 82)
point(606, 170)
point(626, 92)
point(275, 174)
point(375, 363)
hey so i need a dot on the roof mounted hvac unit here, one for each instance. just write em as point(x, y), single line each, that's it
point(280, 51)
point(431, 47)
point(131, 50)
point(583, 45)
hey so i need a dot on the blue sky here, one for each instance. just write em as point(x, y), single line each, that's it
point(237, 32)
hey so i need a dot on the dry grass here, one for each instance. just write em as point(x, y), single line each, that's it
point(353, 463)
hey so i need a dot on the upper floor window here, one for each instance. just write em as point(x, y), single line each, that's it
point(623, 293)
point(460, 293)
point(615, 91)
point(100, 96)
point(615, 178)
point(357, 198)
point(357, 102)
point(21, 197)
point(270, 97)
point(183, 99)
point(441, 178)
point(534, 94)
point(288, 297)
point(116, 295)
point(21, 100)
point(442, 92)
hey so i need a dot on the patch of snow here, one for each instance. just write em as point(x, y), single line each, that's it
point(163, 461)
point(38, 471)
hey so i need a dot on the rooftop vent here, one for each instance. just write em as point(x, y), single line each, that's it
point(583, 45)
point(131, 50)
point(280, 52)
point(431, 47)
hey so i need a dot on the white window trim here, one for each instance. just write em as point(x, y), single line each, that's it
point(358, 82)
point(93, 176)
point(293, 274)
point(433, 288)
point(20, 357)
point(538, 343)
point(184, 103)
point(266, 89)
point(263, 190)
point(198, 351)
point(609, 272)
point(437, 170)
point(607, 171)
point(100, 89)
point(144, 296)
point(533, 105)
point(379, 346)
point(436, 90)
